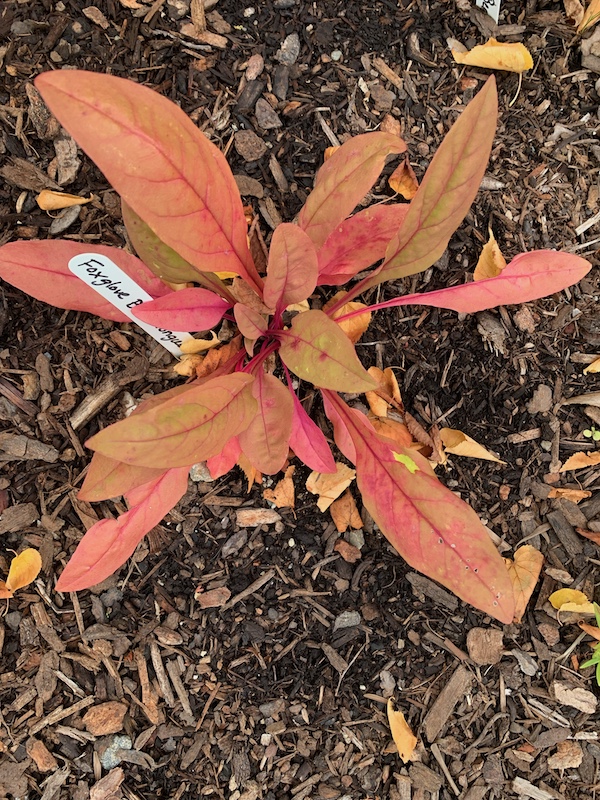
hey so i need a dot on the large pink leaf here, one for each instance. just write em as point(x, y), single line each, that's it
point(317, 350)
point(265, 441)
point(160, 163)
point(107, 477)
point(358, 242)
point(41, 269)
point(188, 428)
point(225, 460)
point(343, 181)
point(431, 528)
point(446, 192)
point(308, 441)
point(527, 277)
point(109, 543)
point(186, 310)
point(292, 268)
point(250, 322)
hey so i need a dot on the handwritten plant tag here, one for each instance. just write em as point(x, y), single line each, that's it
point(109, 280)
point(491, 7)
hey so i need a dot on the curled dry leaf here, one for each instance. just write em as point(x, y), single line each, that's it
point(581, 460)
point(345, 513)
point(496, 55)
point(593, 367)
point(283, 494)
point(571, 600)
point(329, 486)
point(574, 11)
point(353, 327)
point(403, 180)
point(591, 16)
point(524, 570)
point(593, 536)
point(380, 399)
point(459, 444)
point(194, 346)
point(24, 569)
point(403, 737)
point(49, 200)
point(491, 261)
point(574, 495)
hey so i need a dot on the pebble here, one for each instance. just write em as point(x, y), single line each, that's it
point(111, 751)
point(356, 538)
point(64, 220)
point(266, 117)
point(250, 146)
point(347, 619)
point(199, 472)
point(290, 50)
point(13, 620)
point(336, 55)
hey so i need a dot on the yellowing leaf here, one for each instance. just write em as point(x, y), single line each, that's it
point(571, 600)
point(345, 513)
point(225, 275)
point(459, 444)
point(186, 367)
point(283, 494)
point(329, 486)
point(24, 569)
point(495, 55)
point(591, 16)
point(581, 460)
point(388, 389)
point(403, 737)
point(48, 200)
point(392, 429)
point(524, 570)
point(491, 261)
point(408, 462)
point(194, 346)
point(252, 474)
point(593, 367)
point(354, 327)
point(299, 307)
point(574, 495)
point(329, 151)
point(403, 180)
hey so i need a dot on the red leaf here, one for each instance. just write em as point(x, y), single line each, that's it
point(343, 181)
point(159, 162)
point(308, 441)
point(447, 191)
point(431, 528)
point(527, 277)
point(107, 477)
point(292, 268)
point(186, 310)
point(265, 442)
point(359, 242)
point(185, 429)
point(41, 269)
point(317, 350)
point(109, 543)
point(227, 459)
point(251, 323)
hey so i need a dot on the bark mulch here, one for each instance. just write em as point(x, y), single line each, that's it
point(135, 689)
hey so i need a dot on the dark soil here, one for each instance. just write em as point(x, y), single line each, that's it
point(282, 692)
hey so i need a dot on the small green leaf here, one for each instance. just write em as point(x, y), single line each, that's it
point(407, 461)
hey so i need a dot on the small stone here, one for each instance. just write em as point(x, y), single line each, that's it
point(64, 220)
point(336, 55)
point(105, 718)
point(112, 750)
point(250, 146)
point(347, 619)
point(485, 645)
point(200, 472)
point(272, 707)
point(266, 117)
point(355, 538)
point(388, 683)
point(289, 50)
point(541, 402)
point(168, 637)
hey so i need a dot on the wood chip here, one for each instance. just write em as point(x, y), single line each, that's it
point(334, 658)
point(526, 789)
point(44, 760)
point(105, 718)
point(574, 696)
point(17, 517)
point(251, 517)
point(569, 755)
point(440, 711)
point(215, 598)
point(388, 73)
point(485, 645)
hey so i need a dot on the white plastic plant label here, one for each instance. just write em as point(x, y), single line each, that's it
point(491, 7)
point(109, 280)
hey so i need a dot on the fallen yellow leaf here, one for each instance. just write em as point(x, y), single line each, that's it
point(571, 600)
point(392, 429)
point(345, 513)
point(491, 261)
point(403, 737)
point(354, 327)
point(581, 460)
point(524, 570)
point(283, 494)
point(495, 55)
point(329, 486)
point(574, 495)
point(194, 346)
point(591, 16)
point(403, 180)
point(329, 151)
point(49, 200)
point(459, 444)
point(24, 568)
point(593, 367)
point(252, 474)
